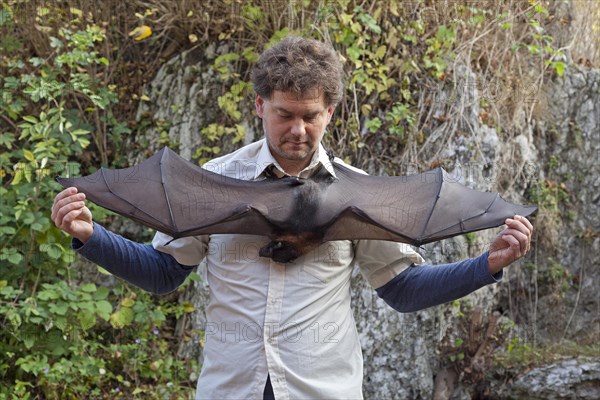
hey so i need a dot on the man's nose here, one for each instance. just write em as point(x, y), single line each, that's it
point(298, 127)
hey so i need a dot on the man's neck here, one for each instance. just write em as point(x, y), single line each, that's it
point(293, 167)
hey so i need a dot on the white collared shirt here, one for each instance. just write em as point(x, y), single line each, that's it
point(290, 321)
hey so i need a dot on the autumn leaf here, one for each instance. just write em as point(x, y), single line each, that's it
point(141, 32)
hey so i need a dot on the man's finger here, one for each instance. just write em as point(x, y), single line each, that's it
point(66, 201)
point(59, 200)
point(65, 193)
point(518, 225)
point(515, 246)
point(519, 237)
point(63, 211)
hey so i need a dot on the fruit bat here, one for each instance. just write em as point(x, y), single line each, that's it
point(179, 198)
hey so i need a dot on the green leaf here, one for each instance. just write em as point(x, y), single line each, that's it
point(101, 293)
point(5, 17)
point(55, 43)
point(80, 132)
point(127, 302)
point(559, 67)
point(122, 318)
point(103, 271)
point(60, 308)
point(103, 309)
point(373, 125)
point(7, 139)
point(15, 319)
point(61, 323)
point(29, 341)
point(31, 119)
point(48, 294)
point(36, 61)
point(194, 276)
point(369, 22)
point(14, 258)
point(86, 320)
point(53, 250)
point(88, 287)
point(158, 315)
point(353, 52)
point(28, 155)
point(188, 307)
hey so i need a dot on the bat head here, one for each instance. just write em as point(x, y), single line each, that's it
point(287, 248)
point(281, 252)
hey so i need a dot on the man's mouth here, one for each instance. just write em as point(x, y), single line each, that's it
point(295, 144)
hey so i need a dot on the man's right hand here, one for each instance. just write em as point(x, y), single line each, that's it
point(70, 214)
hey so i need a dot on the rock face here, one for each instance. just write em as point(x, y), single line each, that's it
point(568, 379)
point(566, 133)
point(183, 99)
point(405, 352)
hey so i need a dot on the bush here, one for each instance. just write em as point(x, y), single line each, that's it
point(59, 338)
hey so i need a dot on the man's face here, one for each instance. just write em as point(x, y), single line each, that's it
point(294, 126)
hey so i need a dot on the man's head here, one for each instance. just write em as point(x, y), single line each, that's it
point(298, 83)
point(298, 66)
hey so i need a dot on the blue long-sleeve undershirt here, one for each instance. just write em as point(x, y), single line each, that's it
point(138, 264)
point(415, 288)
point(422, 286)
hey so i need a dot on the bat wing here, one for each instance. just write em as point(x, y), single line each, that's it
point(413, 209)
point(174, 196)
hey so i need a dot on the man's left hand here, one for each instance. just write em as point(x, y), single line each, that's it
point(510, 244)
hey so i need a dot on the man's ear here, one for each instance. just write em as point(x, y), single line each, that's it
point(330, 111)
point(260, 106)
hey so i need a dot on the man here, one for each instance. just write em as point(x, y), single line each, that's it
point(275, 330)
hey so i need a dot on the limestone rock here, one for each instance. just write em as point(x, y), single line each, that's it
point(577, 378)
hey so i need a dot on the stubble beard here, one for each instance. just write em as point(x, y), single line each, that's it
point(304, 152)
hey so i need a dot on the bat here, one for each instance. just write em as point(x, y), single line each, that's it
point(176, 197)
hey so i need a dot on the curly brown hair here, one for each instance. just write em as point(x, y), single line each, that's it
point(298, 65)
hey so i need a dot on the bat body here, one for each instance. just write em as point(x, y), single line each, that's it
point(174, 196)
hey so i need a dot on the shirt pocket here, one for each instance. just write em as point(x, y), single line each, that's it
point(328, 261)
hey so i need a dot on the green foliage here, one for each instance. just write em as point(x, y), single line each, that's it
point(400, 112)
point(540, 43)
point(554, 208)
point(58, 100)
point(554, 277)
point(39, 142)
point(214, 135)
point(439, 51)
point(521, 355)
point(550, 195)
point(471, 238)
point(60, 339)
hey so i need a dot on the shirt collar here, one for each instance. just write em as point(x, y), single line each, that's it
point(265, 159)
